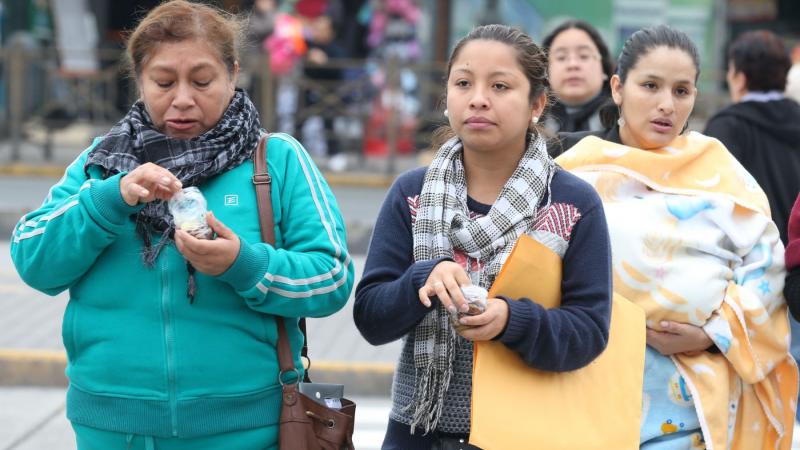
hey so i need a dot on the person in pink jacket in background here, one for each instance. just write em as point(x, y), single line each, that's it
point(791, 289)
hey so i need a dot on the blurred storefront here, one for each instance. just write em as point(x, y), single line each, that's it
point(386, 99)
point(703, 20)
point(711, 23)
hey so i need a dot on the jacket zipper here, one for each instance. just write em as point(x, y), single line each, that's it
point(170, 344)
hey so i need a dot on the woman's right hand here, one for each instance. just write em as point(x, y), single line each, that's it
point(148, 182)
point(444, 282)
point(677, 337)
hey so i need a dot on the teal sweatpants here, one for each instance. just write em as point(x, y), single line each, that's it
point(254, 439)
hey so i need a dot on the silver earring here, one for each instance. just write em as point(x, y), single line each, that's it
point(621, 120)
point(535, 120)
point(445, 113)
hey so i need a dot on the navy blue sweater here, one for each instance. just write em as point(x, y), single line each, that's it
point(387, 304)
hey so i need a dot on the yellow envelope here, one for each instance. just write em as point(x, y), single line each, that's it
point(596, 407)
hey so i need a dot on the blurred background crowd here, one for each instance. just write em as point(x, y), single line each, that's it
point(354, 80)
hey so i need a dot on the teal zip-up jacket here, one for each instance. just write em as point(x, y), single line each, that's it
point(141, 358)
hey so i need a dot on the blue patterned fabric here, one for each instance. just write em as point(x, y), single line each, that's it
point(669, 420)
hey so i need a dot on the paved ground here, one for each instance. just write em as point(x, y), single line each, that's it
point(46, 428)
point(30, 327)
point(32, 321)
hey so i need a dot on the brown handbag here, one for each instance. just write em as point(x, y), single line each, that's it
point(304, 424)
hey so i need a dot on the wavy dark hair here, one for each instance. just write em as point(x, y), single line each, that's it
point(641, 43)
point(531, 58)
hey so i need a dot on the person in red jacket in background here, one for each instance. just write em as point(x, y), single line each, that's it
point(791, 289)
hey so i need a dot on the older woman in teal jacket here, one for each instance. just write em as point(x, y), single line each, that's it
point(170, 339)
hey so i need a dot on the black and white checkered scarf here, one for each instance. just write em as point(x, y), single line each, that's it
point(443, 224)
point(134, 141)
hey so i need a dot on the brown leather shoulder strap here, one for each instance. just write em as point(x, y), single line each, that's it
point(263, 184)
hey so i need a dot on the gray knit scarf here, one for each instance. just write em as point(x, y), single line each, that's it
point(442, 224)
point(133, 141)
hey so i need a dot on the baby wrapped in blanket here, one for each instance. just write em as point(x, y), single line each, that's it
point(692, 242)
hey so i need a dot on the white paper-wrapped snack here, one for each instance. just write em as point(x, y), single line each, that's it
point(476, 300)
point(188, 208)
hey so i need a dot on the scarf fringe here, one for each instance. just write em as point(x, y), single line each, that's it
point(150, 252)
point(428, 402)
point(191, 288)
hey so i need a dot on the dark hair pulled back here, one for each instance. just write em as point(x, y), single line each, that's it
point(637, 46)
point(531, 58)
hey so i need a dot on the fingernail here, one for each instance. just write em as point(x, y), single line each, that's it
point(464, 307)
point(463, 321)
point(664, 324)
point(452, 309)
point(165, 180)
point(178, 184)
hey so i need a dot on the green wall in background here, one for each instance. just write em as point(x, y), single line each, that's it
point(702, 20)
point(598, 10)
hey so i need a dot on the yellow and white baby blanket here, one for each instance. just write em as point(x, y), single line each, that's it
point(692, 241)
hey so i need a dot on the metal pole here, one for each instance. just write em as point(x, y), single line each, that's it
point(395, 100)
point(441, 30)
point(492, 13)
point(16, 88)
point(267, 88)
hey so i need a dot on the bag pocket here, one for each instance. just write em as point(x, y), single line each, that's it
point(307, 424)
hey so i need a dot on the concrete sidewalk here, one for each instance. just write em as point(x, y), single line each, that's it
point(34, 418)
point(31, 350)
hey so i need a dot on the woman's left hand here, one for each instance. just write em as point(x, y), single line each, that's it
point(488, 324)
point(676, 337)
point(211, 257)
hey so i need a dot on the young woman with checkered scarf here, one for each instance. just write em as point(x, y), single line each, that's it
point(454, 223)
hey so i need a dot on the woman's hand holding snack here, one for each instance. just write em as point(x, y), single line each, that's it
point(488, 324)
point(146, 183)
point(444, 282)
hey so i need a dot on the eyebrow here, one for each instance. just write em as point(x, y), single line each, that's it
point(195, 68)
point(579, 47)
point(492, 74)
point(658, 78)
